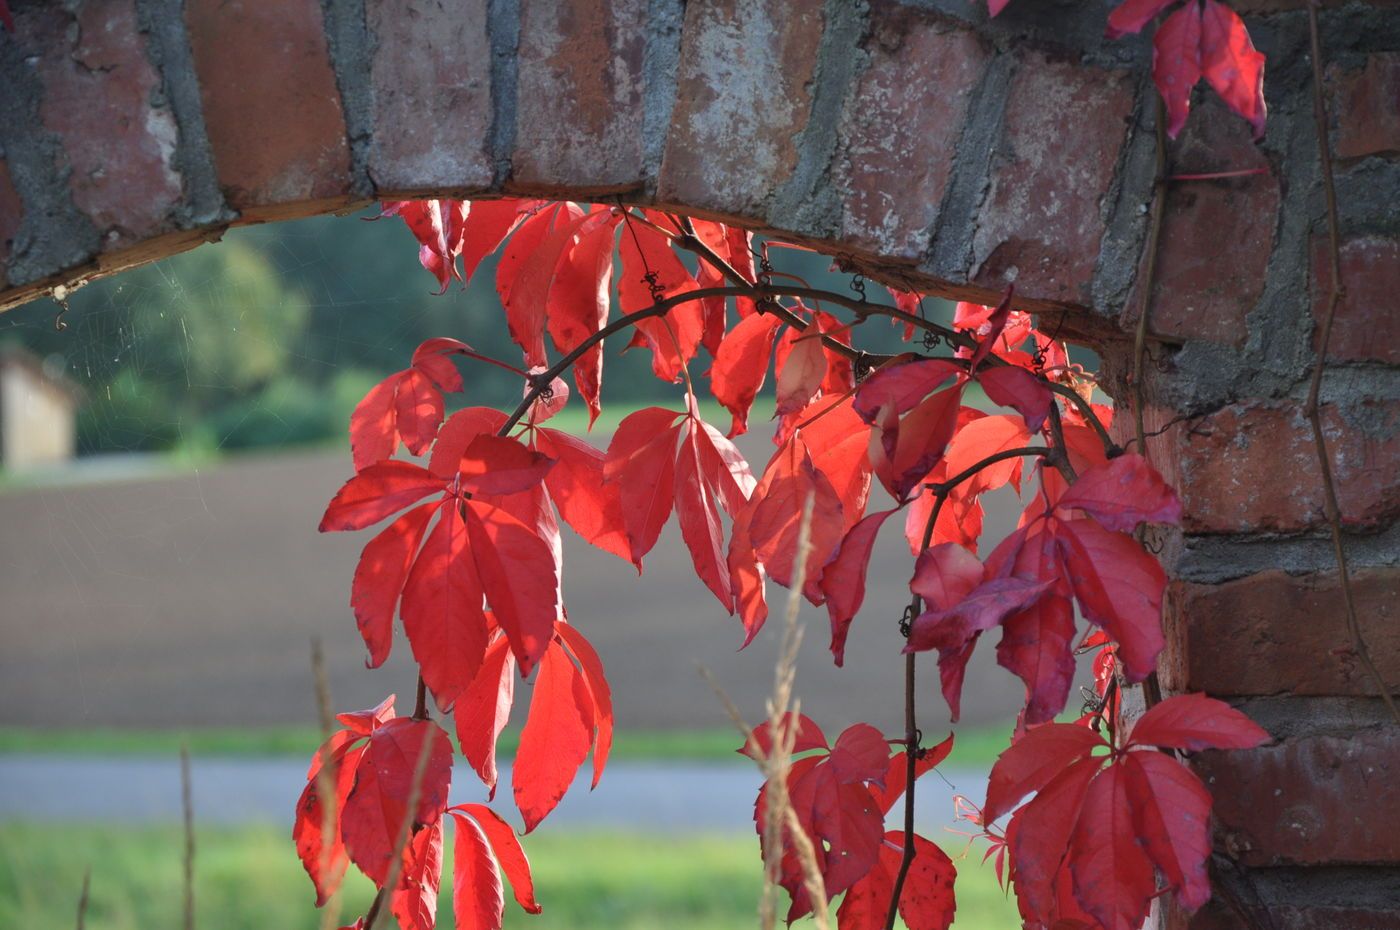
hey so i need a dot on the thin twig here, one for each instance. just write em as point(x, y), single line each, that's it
point(187, 803)
point(83, 898)
point(325, 779)
point(1149, 273)
point(1312, 409)
point(391, 880)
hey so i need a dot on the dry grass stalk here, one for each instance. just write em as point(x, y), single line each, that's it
point(325, 778)
point(83, 898)
point(391, 881)
point(187, 802)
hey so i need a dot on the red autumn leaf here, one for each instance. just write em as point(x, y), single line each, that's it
point(746, 576)
point(380, 577)
point(809, 736)
point(903, 451)
point(505, 848)
point(460, 430)
point(418, 410)
point(697, 511)
point(900, 387)
point(525, 320)
point(983, 436)
point(725, 470)
point(1122, 493)
point(740, 366)
point(487, 224)
point(843, 579)
point(1113, 877)
point(926, 900)
point(1193, 722)
point(426, 220)
point(579, 303)
point(1008, 386)
point(993, 8)
point(641, 464)
point(532, 293)
point(673, 338)
point(981, 609)
point(592, 506)
point(377, 806)
point(377, 492)
point(500, 465)
point(800, 371)
point(547, 403)
point(996, 322)
point(592, 668)
point(483, 709)
point(1231, 64)
point(557, 735)
point(414, 902)
point(1040, 834)
point(897, 774)
point(777, 506)
point(1131, 15)
point(326, 866)
point(519, 576)
point(430, 358)
point(1119, 587)
point(478, 899)
point(374, 436)
point(860, 754)
point(1171, 811)
point(1176, 63)
point(1030, 763)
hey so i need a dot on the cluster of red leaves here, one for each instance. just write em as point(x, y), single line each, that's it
point(1201, 39)
point(1083, 850)
point(841, 794)
point(470, 560)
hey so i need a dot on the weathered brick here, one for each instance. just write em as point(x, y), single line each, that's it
point(743, 95)
point(1219, 915)
point(1366, 328)
point(579, 104)
point(271, 106)
point(1311, 799)
point(1252, 467)
point(1365, 105)
point(1042, 221)
point(432, 95)
point(1207, 283)
point(1273, 633)
point(98, 92)
point(888, 132)
point(11, 215)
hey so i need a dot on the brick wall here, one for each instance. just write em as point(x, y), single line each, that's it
point(924, 144)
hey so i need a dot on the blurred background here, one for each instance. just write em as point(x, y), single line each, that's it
point(164, 461)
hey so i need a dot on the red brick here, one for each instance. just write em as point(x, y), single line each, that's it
point(1366, 327)
point(1308, 800)
point(743, 95)
point(1218, 915)
point(98, 86)
point(579, 102)
point(432, 95)
point(888, 132)
point(271, 105)
point(11, 215)
point(1208, 282)
point(1252, 467)
point(1272, 633)
point(1366, 107)
point(1041, 223)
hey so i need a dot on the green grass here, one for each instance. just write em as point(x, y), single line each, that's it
point(249, 879)
point(974, 747)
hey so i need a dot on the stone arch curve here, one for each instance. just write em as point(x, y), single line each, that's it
point(921, 142)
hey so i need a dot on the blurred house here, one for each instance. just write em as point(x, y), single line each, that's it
point(38, 409)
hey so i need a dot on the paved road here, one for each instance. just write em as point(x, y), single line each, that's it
point(190, 600)
point(631, 795)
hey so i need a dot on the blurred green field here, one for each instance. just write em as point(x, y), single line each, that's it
point(250, 878)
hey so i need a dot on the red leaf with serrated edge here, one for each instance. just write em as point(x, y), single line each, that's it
point(478, 899)
point(510, 857)
point(377, 492)
point(926, 900)
point(983, 436)
point(860, 754)
point(365, 722)
point(844, 820)
point(380, 576)
point(1231, 64)
point(548, 403)
point(960, 520)
point(418, 410)
point(777, 516)
point(1171, 816)
point(499, 465)
point(741, 363)
point(326, 866)
point(897, 773)
point(487, 224)
point(843, 579)
point(526, 327)
point(1131, 15)
point(374, 436)
point(425, 220)
point(801, 371)
point(837, 441)
point(587, 503)
point(903, 452)
point(900, 387)
point(1122, 493)
point(641, 464)
point(673, 338)
point(414, 902)
point(1119, 588)
point(944, 575)
point(1193, 722)
point(579, 303)
point(723, 467)
point(376, 808)
point(1176, 63)
point(809, 736)
point(1008, 386)
point(518, 573)
point(746, 576)
point(1113, 877)
point(442, 613)
point(996, 322)
point(1040, 835)
point(457, 434)
point(598, 689)
point(531, 296)
point(697, 511)
point(1032, 761)
point(556, 737)
point(483, 709)
point(983, 608)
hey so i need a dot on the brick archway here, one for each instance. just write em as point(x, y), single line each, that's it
point(924, 144)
